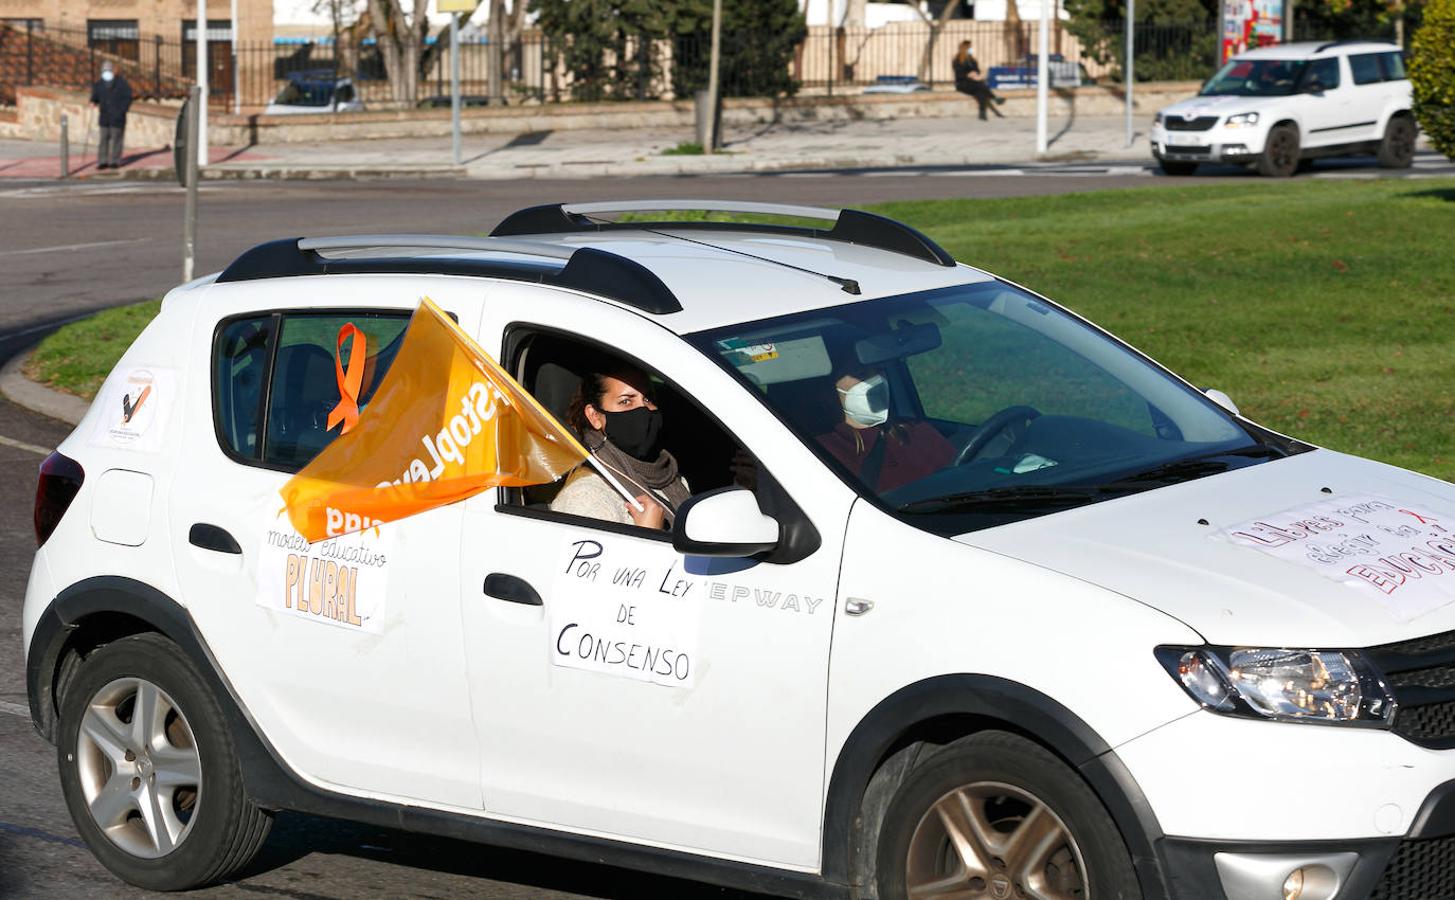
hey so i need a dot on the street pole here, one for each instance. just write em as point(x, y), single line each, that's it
point(236, 91)
point(712, 81)
point(65, 146)
point(1043, 71)
point(202, 82)
point(455, 86)
point(1127, 69)
point(189, 216)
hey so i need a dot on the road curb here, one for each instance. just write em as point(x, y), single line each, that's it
point(37, 397)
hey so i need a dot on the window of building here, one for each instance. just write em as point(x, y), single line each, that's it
point(117, 37)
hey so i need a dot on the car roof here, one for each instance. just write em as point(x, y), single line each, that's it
point(689, 276)
point(1316, 49)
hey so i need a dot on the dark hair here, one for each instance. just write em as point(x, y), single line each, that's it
point(593, 387)
point(963, 53)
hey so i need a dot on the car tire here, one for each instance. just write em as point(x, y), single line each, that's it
point(1397, 147)
point(1169, 167)
point(1280, 152)
point(161, 805)
point(998, 814)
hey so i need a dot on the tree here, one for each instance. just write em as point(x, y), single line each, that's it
point(400, 39)
point(758, 42)
point(1432, 73)
point(1175, 39)
point(606, 46)
point(936, 24)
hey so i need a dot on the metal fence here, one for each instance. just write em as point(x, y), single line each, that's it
point(536, 69)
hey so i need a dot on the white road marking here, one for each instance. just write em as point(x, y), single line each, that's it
point(974, 173)
point(22, 445)
point(60, 247)
point(14, 709)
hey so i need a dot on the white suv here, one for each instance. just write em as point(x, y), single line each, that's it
point(1075, 629)
point(1278, 107)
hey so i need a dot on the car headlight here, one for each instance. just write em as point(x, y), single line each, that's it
point(1325, 686)
point(1242, 119)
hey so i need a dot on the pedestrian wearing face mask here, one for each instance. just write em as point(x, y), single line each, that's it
point(112, 98)
point(617, 421)
point(884, 453)
point(968, 80)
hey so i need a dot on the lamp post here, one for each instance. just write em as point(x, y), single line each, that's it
point(202, 82)
point(1043, 70)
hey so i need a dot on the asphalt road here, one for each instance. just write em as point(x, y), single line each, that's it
point(66, 250)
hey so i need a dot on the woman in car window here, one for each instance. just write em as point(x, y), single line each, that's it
point(617, 421)
point(884, 454)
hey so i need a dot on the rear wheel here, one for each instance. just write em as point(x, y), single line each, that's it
point(148, 769)
point(1169, 167)
point(1280, 153)
point(1397, 148)
point(998, 816)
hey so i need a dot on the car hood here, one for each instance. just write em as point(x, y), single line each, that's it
point(1220, 106)
point(1177, 550)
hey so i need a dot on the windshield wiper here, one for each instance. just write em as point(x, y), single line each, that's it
point(1027, 496)
point(1197, 466)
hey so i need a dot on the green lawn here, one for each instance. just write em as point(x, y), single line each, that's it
point(1325, 308)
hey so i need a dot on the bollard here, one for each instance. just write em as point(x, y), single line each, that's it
point(65, 146)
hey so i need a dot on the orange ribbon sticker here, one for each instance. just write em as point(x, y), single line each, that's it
point(349, 383)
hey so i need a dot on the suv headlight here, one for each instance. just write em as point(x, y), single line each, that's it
point(1242, 119)
point(1324, 686)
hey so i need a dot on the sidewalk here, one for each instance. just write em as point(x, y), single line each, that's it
point(624, 153)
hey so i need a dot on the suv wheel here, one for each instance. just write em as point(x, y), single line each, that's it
point(995, 815)
point(1280, 153)
point(149, 771)
point(1176, 168)
point(1397, 148)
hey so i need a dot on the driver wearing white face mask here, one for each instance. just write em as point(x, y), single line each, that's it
point(884, 453)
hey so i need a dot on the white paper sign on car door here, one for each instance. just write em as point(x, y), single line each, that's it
point(342, 581)
point(1400, 554)
point(621, 608)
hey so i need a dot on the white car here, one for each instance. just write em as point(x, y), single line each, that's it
point(1278, 107)
point(1076, 629)
point(305, 94)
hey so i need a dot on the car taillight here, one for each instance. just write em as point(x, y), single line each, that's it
point(60, 481)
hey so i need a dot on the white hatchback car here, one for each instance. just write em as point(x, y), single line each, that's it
point(1279, 107)
point(970, 598)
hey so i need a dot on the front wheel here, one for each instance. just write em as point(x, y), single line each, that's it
point(998, 816)
point(1397, 148)
point(149, 771)
point(1280, 153)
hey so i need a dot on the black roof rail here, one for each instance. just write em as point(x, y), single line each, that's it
point(587, 269)
point(851, 226)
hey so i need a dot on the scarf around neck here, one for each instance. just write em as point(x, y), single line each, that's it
point(658, 478)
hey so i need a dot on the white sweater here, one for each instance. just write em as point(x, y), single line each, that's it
point(587, 494)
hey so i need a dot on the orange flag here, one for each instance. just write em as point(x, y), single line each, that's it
point(445, 423)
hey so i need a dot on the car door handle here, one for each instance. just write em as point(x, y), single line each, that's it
point(511, 589)
point(210, 537)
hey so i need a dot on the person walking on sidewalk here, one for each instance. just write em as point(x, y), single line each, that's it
point(112, 98)
point(968, 81)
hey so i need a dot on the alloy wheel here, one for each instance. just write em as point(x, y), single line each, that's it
point(993, 840)
point(139, 769)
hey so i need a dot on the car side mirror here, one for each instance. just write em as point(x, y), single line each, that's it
point(725, 522)
point(1222, 400)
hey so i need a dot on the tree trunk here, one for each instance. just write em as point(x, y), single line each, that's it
point(936, 25)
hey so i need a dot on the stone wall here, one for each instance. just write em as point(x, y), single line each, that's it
point(1096, 100)
point(38, 114)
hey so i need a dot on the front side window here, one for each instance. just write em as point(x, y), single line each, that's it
point(1256, 78)
point(967, 407)
point(276, 380)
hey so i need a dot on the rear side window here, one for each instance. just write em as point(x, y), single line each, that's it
point(276, 380)
point(1393, 63)
point(1365, 68)
point(1323, 71)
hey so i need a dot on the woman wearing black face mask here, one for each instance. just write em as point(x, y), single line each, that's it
point(621, 426)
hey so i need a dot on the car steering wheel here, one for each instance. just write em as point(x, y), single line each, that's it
point(990, 428)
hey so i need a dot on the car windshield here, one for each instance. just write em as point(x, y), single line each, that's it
point(1255, 78)
point(968, 407)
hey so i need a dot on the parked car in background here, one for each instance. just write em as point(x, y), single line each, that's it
point(315, 92)
point(1276, 108)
